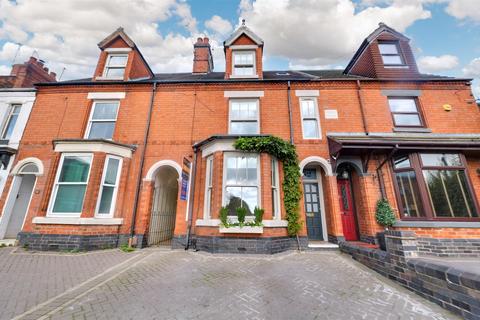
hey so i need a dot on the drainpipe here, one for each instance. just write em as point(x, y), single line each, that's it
point(191, 200)
point(142, 162)
point(362, 111)
point(290, 111)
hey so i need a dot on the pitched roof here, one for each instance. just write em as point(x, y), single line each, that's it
point(243, 29)
point(117, 33)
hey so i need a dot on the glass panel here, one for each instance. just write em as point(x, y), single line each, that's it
point(407, 119)
point(231, 170)
point(241, 170)
point(343, 190)
point(101, 130)
point(402, 105)
point(105, 111)
point(392, 60)
point(409, 194)
point(273, 172)
point(236, 197)
point(118, 60)
point(252, 170)
point(10, 126)
point(69, 199)
point(441, 159)
point(115, 72)
point(235, 110)
point(106, 200)
point(112, 170)
point(310, 128)
point(29, 168)
point(388, 48)
point(310, 173)
point(250, 198)
point(75, 169)
point(249, 127)
point(308, 109)
point(402, 162)
point(16, 109)
point(274, 201)
point(252, 110)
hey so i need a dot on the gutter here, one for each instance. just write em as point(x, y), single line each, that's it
point(142, 162)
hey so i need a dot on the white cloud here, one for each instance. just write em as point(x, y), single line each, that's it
point(437, 63)
point(310, 32)
point(472, 69)
point(219, 25)
point(464, 9)
point(4, 70)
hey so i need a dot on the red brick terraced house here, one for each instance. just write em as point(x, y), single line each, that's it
point(133, 156)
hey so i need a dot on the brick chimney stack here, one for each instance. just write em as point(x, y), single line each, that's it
point(26, 74)
point(202, 56)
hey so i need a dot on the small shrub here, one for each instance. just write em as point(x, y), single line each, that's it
point(241, 214)
point(384, 214)
point(224, 216)
point(126, 248)
point(258, 212)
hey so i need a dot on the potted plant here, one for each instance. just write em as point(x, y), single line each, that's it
point(385, 217)
point(241, 214)
point(258, 213)
point(224, 216)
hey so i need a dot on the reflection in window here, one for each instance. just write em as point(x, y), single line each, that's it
point(241, 183)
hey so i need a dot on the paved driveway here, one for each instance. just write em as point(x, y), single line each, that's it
point(156, 284)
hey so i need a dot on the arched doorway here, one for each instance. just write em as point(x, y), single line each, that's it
point(164, 206)
point(18, 200)
point(345, 172)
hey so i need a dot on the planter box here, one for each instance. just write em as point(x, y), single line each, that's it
point(241, 230)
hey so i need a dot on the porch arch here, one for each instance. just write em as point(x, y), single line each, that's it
point(150, 176)
point(319, 161)
point(17, 169)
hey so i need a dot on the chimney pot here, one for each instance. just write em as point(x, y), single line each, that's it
point(53, 75)
point(45, 69)
point(206, 40)
point(199, 40)
point(41, 62)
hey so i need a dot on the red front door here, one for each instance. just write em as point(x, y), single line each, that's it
point(347, 210)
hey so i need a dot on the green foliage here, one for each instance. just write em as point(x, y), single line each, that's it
point(285, 152)
point(126, 248)
point(384, 213)
point(224, 216)
point(241, 214)
point(258, 213)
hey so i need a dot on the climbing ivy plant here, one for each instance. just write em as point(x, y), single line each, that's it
point(285, 152)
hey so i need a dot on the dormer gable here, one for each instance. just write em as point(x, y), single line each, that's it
point(385, 53)
point(120, 59)
point(243, 54)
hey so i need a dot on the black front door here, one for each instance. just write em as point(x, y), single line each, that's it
point(312, 211)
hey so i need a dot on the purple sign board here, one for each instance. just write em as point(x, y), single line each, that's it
point(184, 190)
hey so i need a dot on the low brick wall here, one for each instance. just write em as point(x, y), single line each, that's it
point(62, 242)
point(449, 247)
point(456, 291)
point(248, 245)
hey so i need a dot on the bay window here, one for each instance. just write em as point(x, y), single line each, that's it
point(109, 186)
point(70, 184)
point(244, 116)
point(241, 182)
point(434, 186)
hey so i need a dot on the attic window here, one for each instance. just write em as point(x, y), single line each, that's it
point(115, 66)
point(390, 53)
point(244, 63)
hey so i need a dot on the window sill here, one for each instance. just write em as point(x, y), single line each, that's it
point(244, 77)
point(78, 221)
point(109, 78)
point(437, 224)
point(257, 230)
point(407, 129)
point(266, 223)
point(396, 67)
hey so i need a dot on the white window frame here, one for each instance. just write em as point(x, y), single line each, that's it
point(108, 66)
point(276, 214)
point(230, 120)
point(317, 117)
point(254, 65)
point(115, 187)
point(90, 120)
point(53, 197)
point(208, 188)
point(226, 155)
point(399, 53)
point(9, 117)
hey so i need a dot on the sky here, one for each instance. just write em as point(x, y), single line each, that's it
point(298, 34)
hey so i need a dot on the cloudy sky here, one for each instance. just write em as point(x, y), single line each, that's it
point(298, 34)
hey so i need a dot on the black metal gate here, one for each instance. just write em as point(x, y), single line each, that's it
point(163, 214)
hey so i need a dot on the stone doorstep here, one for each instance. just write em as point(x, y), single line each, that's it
point(322, 245)
point(8, 242)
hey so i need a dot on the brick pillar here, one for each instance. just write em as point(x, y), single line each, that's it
point(401, 245)
point(334, 214)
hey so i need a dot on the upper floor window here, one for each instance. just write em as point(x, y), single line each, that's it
point(390, 53)
point(102, 120)
point(11, 120)
point(70, 184)
point(244, 63)
point(434, 185)
point(109, 186)
point(115, 66)
point(241, 182)
point(310, 122)
point(244, 116)
point(405, 112)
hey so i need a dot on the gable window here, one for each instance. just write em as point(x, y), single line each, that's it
point(310, 122)
point(102, 120)
point(244, 116)
point(434, 186)
point(244, 63)
point(11, 120)
point(109, 186)
point(390, 53)
point(115, 66)
point(70, 184)
point(275, 189)
point(241, 182)
point(208, 187)
point(405, 112)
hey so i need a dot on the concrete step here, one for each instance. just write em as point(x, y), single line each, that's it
point(8, 242)
point(322, 246)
